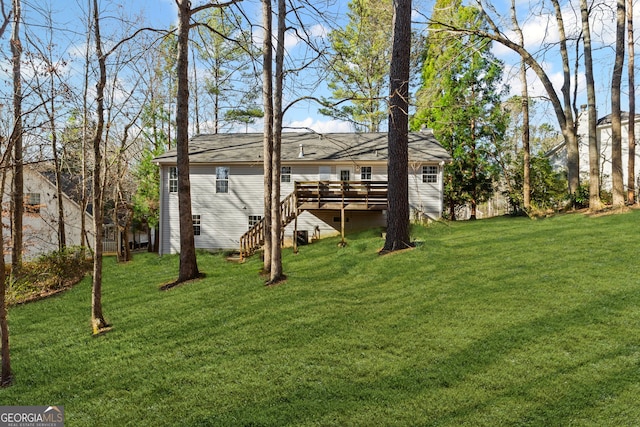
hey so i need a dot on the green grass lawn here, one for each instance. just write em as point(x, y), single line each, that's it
point(507, 321)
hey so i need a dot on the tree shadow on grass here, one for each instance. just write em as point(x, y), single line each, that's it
point(405, 393)
point(171, 285)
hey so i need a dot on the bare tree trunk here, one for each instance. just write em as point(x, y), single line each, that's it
point(16, 138)
point(276, 272)
point(526, 150)
point(267, 97)
point(85, 134)
point(474, 172)
point(62, 235)
point(398, 168)
point(98, 322)
point(569, 131)
point(195, 94)
point(6, 376)
point(594, 155)
point(188, 261)
point(616, 122)
point(631, 171)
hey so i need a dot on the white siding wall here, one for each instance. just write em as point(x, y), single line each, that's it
point(40, 230)
point(225, 217)
point(425, 199)
point(604, 137)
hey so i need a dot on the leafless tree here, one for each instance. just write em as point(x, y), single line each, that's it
point(16, 138)
point(526, 185)
point(276, 272)
point(594, 156)
point(6, 376)
point(616, 119)
point(267, 98)
point(98, 322)
point(631, 171)
point(569, 130)
point(48, 89)
point(188, 262)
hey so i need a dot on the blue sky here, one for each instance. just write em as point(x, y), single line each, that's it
point(539, 28)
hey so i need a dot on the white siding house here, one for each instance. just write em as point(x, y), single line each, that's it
point(226, 175)
point(558, 155)
point(604, 136)
point(40, 221)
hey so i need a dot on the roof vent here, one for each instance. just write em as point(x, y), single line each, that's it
point(301, 153)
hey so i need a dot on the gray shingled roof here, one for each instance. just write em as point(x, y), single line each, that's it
point(232, 148)
point(606, 120)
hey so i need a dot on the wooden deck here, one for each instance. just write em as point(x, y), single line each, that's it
point(321, 195)
point(349, 195)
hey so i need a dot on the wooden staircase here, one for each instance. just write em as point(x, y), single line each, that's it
point(253, 239)
point(317, 195)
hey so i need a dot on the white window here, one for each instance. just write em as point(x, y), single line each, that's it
point(32, 202)
point(430, 174)
point(254, 219)
point(173, 179)
point(196, 225)
point(345, 175)
point(285, 174)
point(222, 179)
point(365, 173)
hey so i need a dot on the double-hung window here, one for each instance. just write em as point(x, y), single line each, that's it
point(285, 174)
point(173, 179)
point(365, 173)
point(222, 179)
point(430, 174)
point(32, 203)
point(254, 219)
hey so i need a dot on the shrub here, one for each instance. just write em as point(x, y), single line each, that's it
point(49, 273)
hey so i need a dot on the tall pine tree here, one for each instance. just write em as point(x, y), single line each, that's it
point(460, 99)
point(359, 66)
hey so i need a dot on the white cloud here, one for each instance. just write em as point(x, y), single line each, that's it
point(320, 126)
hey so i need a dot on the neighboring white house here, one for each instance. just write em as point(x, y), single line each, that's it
point(40, 220)
point(227, 183)
point(558, 155)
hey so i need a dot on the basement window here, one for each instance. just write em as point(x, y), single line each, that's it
point(197, 229)
point(430, 174)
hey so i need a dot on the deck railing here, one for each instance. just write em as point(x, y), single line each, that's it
point(332, 194)
point(311, 195)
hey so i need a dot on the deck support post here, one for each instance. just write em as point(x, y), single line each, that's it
point(342, 242)
point(295, 231)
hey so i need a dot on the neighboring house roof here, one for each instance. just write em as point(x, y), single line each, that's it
point(217, 148)
point(71, 184)
point(601, 122)
point(624, 116)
